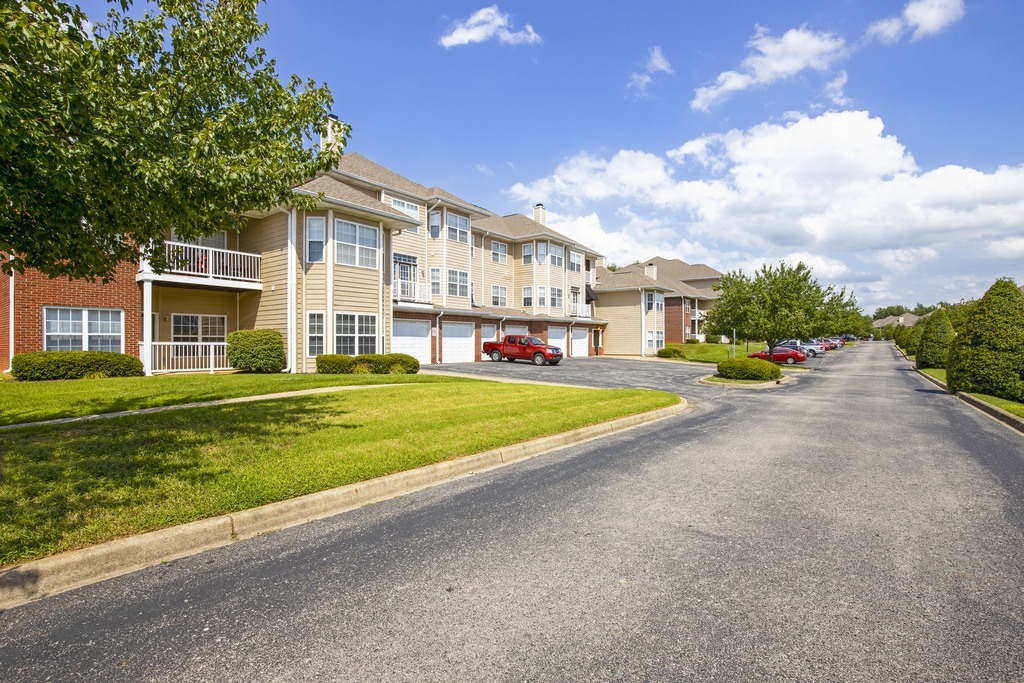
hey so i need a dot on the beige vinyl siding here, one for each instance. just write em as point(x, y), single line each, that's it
point(458, 259)
point(267, 309)
point(501, 274)
point(623, 335)
point(311, 288)
point(170, 300)
point(522, 276)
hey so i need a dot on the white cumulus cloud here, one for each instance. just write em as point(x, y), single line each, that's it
point(923, 17)
point(656, 63)
point(835, 90)
point(485, 24)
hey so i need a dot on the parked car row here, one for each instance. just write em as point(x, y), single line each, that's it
point(792, 351)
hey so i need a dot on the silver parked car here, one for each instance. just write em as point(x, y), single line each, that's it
point(810, 347)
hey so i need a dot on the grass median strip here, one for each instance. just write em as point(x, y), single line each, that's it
point(68, 486)
point(36, 401)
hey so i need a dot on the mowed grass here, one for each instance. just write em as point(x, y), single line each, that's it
point(716, 353)
point(73, 485)
point(1006, 404)
point(937, 373)
point(34, 401)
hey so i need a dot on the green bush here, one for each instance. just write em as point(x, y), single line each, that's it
point(936, 339)
point(988, 356)
point(671, 351)
point(256, 350)
point(335, 364)
point(45, 365)
point(749, 368)
point(366, 364)
point(693, 340)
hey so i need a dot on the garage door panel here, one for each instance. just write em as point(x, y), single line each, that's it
point(556, 337)
point(580, 345)
point(458, 342)
point(412, 337)
point(521, 330)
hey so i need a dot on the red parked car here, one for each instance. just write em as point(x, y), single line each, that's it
point(523, 348)
point(782, 355)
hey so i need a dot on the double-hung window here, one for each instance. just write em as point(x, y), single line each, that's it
point(355, 333)
point(499, 296)
point(499, 252)
point(557, 255)
point(434, 221)
point(316, 235)
point(435, 280)
point(356, 244)
point(409, 209)
point(575, 262)
point(82, 329)
point(542, 296)
point(528, 254)
point(315, 335)
point(688, 309)
point(556, 297)
point(527, 297)
point(190, 327)
point(458, 227)
point(458, 283)
point(542, 252)
point(655, 301)
point(655, 339)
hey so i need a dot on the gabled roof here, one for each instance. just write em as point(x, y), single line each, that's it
point(625, 279)
point(677, 269)
point(670, 274)
point(518, 227)
point(340, 194)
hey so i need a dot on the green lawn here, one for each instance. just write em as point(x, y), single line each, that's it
point(72, 485)
point(1007, 405)
point(937, 373)
point(716, 353)
point(34, 401)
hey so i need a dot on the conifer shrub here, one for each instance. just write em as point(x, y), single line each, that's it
point(38, 366)
point(988, 356)
point(936, 339)
point(749, 368)
point(256, 350)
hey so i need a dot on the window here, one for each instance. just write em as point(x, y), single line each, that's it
point(355, 334)
point(356, 244)
point(458, 283)
point(527, 297)
point(190, 327)
point(82, 329)
point(557, 255)
point(650, 304)
point(435, 280)
point(315, 335)
point(434, 220)
point(409, 209)
point(687, 305)
point(316, 232)
point(499, 252)
point(527, 254)
point(556, 297)
point(541, 296)
point(655, 301)
point(458, 227)
point(542, 251)
point(499, 296)
point(655, 339)
point(575, 262)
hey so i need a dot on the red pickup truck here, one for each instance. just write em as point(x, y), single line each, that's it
point(516, 347)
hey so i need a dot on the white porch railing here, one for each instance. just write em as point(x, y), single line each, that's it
point(209, 262)
point(407, 290)
point(189, 357)
point(579, 310)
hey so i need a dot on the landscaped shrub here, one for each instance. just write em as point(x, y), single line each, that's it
point(749, 368)
point(46, 365)
point(988, 356)
point(366, 364)
point(938, 334)
point(335, 364)
point(914, 338)
point(256, 350)
point(693, 340)
point(671, 351)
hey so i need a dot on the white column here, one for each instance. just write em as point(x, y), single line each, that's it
point(292, 293)
point(147, 326)
point(329, 237)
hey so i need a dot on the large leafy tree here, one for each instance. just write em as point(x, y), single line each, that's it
point(112, 135)
point(886, 311)
point(777, 303)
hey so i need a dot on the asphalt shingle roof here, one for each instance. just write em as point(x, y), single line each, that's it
point(517, 226)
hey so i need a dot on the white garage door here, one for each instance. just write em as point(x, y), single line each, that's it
point(556, 337)
point(517, 329)
point(579, 342)
point(488, 333)
point(457, 342)
point(412, 337)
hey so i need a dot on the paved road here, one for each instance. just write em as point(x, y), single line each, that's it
point(856, 525)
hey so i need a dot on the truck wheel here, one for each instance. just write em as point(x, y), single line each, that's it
point(511, 360)
point(538, 359)
point(553, 362)
point(495, 355)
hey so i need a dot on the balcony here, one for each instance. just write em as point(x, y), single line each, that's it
point(407, 290)
point(193, 264)
point(579, 310)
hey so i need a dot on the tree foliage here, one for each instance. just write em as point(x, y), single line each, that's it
point(886, 311)
point(112, 136)
point(936, 339)
point(780, 302)
point(987, 357)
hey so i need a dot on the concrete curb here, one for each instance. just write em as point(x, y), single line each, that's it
point(993, 411)
point(785, 379)
point(51, 575)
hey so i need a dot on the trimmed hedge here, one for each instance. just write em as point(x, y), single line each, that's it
point(987, 358)
point(693, 340)
point(936, 339)
point(367, 363)
point(46, 365)
point(256, 350)
point(671, 351)
point(749, 368)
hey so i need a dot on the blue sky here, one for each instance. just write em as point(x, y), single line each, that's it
point(878, 141)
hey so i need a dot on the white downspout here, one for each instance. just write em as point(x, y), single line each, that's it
point(292, 288)
point(10, 359)
point(643, 323)
point(380, 292)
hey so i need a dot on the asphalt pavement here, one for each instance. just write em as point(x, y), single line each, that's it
point(857, 524)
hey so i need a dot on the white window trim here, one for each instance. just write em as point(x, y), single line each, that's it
point(357, 335)
point(575, 262)
point(561, 297)
point(440, 291)
point(527, 294)
point(528, 254)
point(552, 256)
point(323, 242)
point(459, 232)
point(458, 282)
point(322, 335)
point(85, 323)
point(359, 248)
point(201, 340)
point(499, 293)
point(498, 256)
point(409, 209)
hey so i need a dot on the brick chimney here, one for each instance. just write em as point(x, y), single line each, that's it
point(540, 214)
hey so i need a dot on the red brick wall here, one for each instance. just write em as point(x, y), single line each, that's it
point(33, 291)
point(674, 320)
point(5, 321)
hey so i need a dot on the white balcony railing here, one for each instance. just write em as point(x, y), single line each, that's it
point(189, 357)
point(579, 310)
point(208, 262)
point(407, 290)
